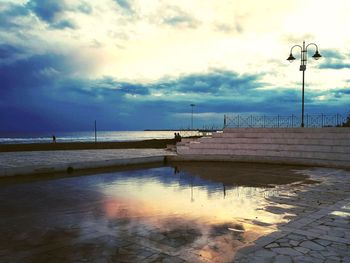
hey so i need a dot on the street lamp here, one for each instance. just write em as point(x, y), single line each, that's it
point(192, 105)
point(303, 57)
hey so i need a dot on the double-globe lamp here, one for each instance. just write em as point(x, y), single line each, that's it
point(303, 57)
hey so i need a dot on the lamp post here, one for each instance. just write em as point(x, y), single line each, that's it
point(303, 57)
point(192, 105)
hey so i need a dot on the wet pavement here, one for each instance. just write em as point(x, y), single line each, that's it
point(184, 212)
point(320, 229)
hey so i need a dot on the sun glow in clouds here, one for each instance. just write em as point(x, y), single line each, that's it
point(76, 45)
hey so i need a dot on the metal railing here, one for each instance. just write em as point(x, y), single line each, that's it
point(282, 121)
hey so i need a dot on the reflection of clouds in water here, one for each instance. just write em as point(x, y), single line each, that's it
point(160, 192)
point(192, 208)
point(188, 212)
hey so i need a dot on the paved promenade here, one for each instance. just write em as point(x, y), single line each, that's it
point(318, 228)
point(320, 231)
point(15, 163)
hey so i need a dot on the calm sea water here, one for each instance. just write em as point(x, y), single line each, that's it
point(102, 136)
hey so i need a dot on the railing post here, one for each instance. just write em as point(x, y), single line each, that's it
point(337, 120)
point(322, 121)
point(264, 120)
point(224, 120)
point(278, 121)
point(95, 131)
point(307, 120)
point(292, 121)
point(238, 120)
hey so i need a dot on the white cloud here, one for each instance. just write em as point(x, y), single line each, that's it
point(165, 38)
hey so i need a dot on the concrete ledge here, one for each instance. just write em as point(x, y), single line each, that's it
point(264, 140)
point(273, 147)
point(261, 159)
point(270, 153)
point(40, 169)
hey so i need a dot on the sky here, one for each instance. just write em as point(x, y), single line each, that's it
point(139, 64)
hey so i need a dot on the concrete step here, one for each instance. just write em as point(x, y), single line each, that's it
point(270, 153)
point(321, 146)
point(223, 140)
point(276, 147)
point(263, 159)
point(287, 135)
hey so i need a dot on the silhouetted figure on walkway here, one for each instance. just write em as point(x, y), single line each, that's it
point(53, 139)
point(177, 137)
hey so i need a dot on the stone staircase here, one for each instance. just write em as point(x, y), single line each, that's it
point(306, 146)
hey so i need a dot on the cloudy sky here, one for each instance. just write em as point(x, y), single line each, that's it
point(139, 64)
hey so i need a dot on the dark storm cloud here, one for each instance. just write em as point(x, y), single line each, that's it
point(8, 51)
point(180, 20)
point(85, 7)
point(46, 10)
point(13, 10)
point(277, 101)
point(52, 12)
point(104, 87)
point(215, 83)
point(64, 24)
point(225, 91)
point(174, 16)
point(39, 93)
point(340, 93)
point(332, 59)
point(124, 4)
point(334, 65)
point(31, 72)
point(332, 54)
point(8, 14)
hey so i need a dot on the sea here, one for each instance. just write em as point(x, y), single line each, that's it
point(101, 136)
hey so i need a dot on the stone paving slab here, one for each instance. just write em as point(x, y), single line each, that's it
point(319, 235)
point(19, 163)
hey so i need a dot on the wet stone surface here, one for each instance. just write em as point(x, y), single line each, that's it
point(181, 214)
point(319, 232)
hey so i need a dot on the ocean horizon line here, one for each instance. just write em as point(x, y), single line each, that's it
point(89, 136)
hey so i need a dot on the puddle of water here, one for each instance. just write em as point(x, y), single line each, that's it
point(196, 210)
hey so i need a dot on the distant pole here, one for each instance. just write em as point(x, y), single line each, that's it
point(95, 132)
point(192, 105)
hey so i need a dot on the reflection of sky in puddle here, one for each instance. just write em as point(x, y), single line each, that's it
point(159, 192)
point(341, 214)
point(228, 217)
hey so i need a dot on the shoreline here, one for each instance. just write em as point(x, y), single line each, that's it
point(153, 143)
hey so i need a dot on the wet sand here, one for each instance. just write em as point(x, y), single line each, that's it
point(154, 143)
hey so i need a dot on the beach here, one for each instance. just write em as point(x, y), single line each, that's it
point(153, 143)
